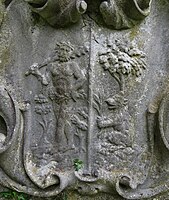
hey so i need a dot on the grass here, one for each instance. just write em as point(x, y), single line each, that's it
point(78, 164)
point(14, 195)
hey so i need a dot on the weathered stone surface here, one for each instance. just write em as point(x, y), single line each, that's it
point(84, 99)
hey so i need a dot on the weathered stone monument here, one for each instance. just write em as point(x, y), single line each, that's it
point(84, 99)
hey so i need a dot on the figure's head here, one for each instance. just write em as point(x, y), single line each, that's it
point(64, 51)
point(117, 101)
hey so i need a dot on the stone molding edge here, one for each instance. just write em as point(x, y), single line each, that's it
point(120, 14)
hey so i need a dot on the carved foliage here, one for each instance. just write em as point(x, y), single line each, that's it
point(122, 60)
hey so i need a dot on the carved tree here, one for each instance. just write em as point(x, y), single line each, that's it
point(121, 61)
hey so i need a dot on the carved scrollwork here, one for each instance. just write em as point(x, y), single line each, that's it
point(9, 119)
point(116, 14)
point(163, 121)
point(124, 14)
point(157, 183)
point(59, 13)
point(82, 122)
point(57, 124)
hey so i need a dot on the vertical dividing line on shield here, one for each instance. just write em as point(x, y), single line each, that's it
point(90, 104)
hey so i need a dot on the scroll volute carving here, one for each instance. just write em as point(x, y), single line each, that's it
point(9, 119)
point(125, 13)
point(59, 13)
point(139, 9)
point(119, 14)
point(163, 120)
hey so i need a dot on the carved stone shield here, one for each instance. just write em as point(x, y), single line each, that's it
point(83, 98)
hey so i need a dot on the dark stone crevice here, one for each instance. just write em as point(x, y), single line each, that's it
point(7, 2)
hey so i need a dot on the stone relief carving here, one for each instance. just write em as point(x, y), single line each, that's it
point(63, 86)
point(59, 121)
point(8, 119)
point(59, 13)
point(122, 60)
point(114, 136)
point(124, 14)
point(116, 14)
point(76, 126)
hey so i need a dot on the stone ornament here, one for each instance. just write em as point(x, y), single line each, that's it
point(124, 14)
point(116, 14)
point(84, 107)
point(59, 13)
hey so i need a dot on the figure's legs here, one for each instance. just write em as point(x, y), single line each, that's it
point(68, 132)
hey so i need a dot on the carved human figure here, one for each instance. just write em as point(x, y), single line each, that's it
point(81, 128)
point(65, 79)
point(66, 76)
